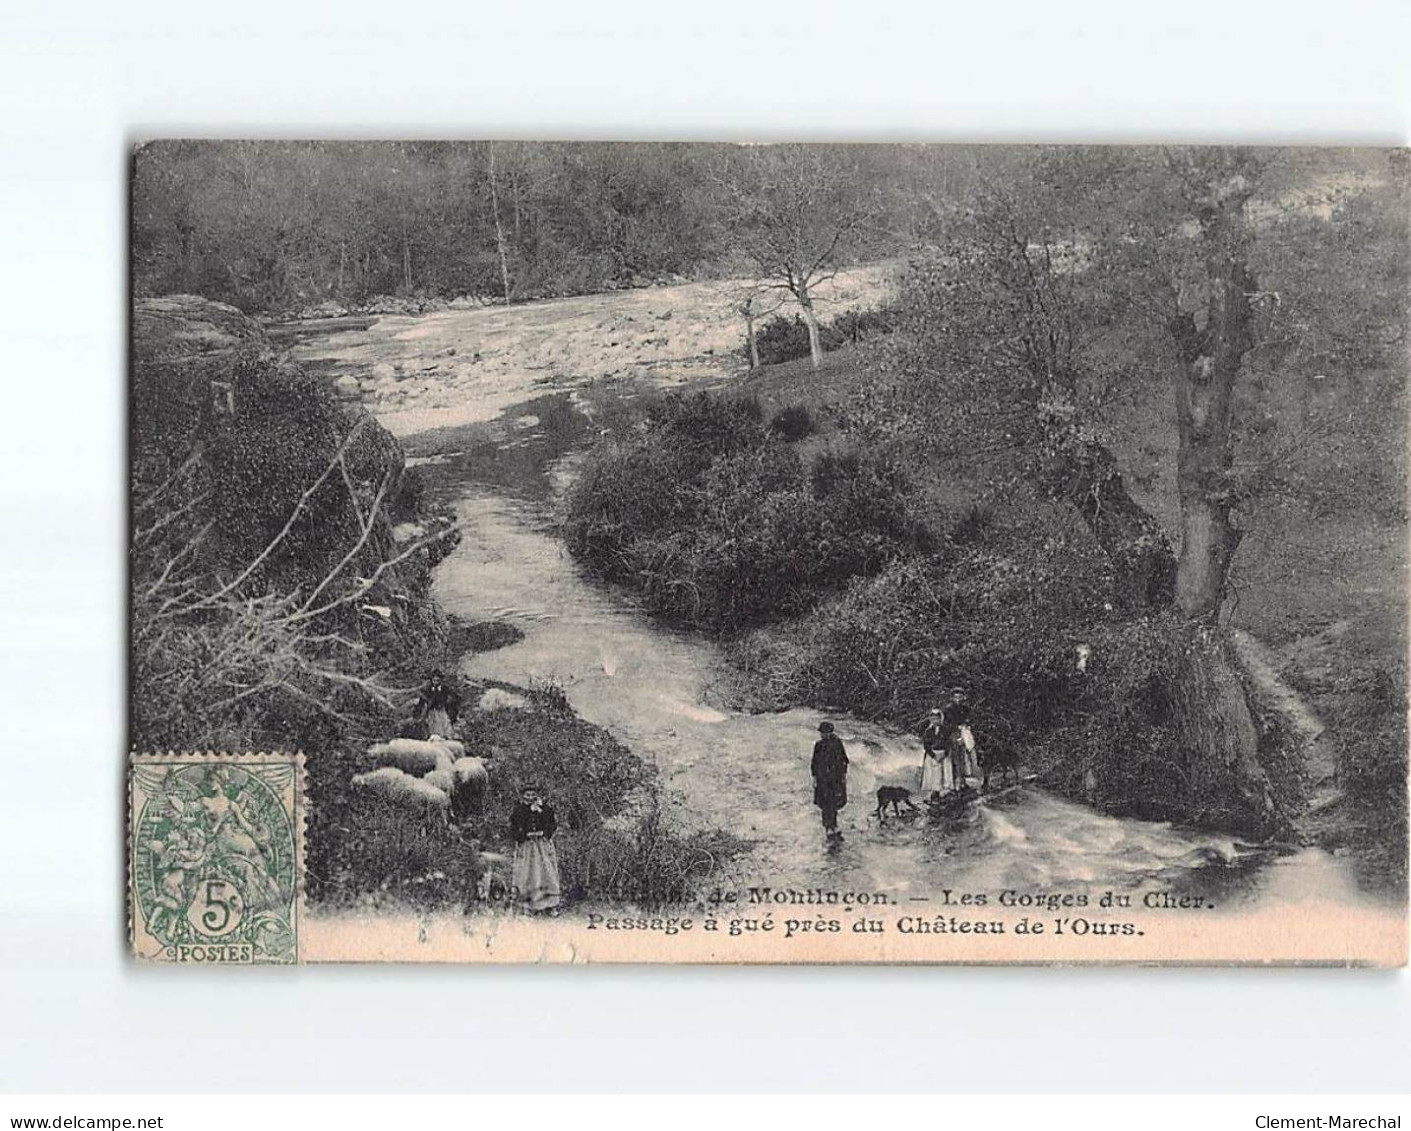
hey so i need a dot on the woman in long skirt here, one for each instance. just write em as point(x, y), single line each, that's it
point(936, 776)
point(536, 861)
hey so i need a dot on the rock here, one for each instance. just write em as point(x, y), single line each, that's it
point(408, 532)
point(498, 699)
point(347, 387)
point(326, 309)
point(178, 327)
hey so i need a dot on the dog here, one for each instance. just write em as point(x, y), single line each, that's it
point(896, 796)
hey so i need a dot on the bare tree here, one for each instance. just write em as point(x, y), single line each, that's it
point(796, 211)
point(752, 307)
point(211, 653)
point(499, 227)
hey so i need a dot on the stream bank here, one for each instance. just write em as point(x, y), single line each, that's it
point(503, 462)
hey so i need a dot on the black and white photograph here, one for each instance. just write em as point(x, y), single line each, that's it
point(767, 552)
point(693, 566)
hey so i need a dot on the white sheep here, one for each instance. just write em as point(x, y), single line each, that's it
point(447, 783)
point(405, 789)
point(443, 777)
point(416, 755)
point(498, 699)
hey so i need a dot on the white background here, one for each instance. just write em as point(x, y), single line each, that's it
point(80, 82)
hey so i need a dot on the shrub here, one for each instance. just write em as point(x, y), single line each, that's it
point(717, 523)
point(971, 526)
point(1370, 729)
point(781, 339)
point(858, 325)
point(792, 423)
point(648, 864)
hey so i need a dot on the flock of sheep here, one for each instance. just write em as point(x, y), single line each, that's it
point(432, 775)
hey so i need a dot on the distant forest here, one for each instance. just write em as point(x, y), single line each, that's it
point(279, 225)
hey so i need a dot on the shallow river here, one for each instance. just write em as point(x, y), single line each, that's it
point(749, 773)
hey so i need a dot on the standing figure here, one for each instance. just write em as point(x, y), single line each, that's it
point(830, 778)
point(960, 743)
point(936, 773)
point(536, 861)
point(439, 706)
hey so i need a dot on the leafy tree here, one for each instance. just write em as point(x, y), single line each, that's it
point(1057, 288)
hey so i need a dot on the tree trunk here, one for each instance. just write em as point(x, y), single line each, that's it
point(499, 228)
point(1213, 710)
point(1210, 360)
point(815, 343)
point(1080, 471)
point(747, 309)
point(1228, 781)
point(1211, 341)
point(406, 262)
point(514, 195)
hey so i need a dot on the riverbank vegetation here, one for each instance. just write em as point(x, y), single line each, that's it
point(1119, 410)
point(718, 522)
point(613, 842)
point(281, 564)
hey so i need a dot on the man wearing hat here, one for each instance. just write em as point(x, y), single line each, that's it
point(830, 778)
point(959, 738)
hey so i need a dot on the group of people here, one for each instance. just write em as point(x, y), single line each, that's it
point(948, 748)
point(536, 881)
point(947, 761)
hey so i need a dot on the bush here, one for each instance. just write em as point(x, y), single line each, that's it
point(779, 338)
point(970, 528)
point(858, 325)
point(792, 423)
point(649, 864)
point(718, 525)
point(1370, 729)
point(1003, 616)
point(253, 492)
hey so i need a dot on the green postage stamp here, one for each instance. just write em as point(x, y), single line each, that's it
point(215, 857)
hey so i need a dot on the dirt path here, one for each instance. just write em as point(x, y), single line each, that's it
point(1320, 759)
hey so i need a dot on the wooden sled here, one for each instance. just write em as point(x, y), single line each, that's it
point(951, 804)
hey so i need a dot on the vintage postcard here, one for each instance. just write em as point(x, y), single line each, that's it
point(597, 552)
